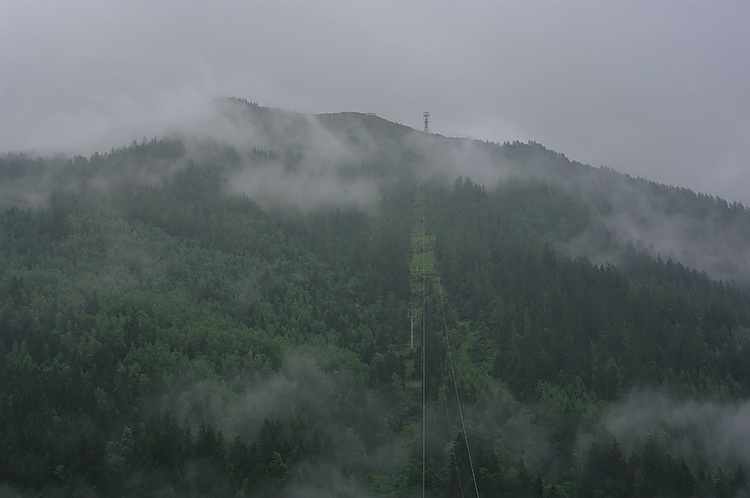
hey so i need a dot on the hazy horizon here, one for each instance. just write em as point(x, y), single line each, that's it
point(652, 90)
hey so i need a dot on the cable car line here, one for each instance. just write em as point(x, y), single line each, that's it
point(450, 356)
point(436, 273)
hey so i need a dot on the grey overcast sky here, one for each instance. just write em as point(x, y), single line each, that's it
point(657, 88)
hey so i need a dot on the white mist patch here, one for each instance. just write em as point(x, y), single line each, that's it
point(448, 158)
point(700, 232)
point(301, 386)
point(314, 167)
point(306, 385)
point(116, 120)
point(27, 195)
point(275, 187)
point(246, 126)
point(688, 428)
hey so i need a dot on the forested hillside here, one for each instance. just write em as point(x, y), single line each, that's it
point(226, 314)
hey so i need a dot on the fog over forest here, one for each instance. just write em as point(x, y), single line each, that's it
point(247, 276)
point(652, 90)
point(311, 155)
point(217, 224)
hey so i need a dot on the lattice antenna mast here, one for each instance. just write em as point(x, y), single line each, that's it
point(426, 115)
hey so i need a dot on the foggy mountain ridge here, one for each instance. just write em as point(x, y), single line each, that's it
point(282, 158)
point(223, 310)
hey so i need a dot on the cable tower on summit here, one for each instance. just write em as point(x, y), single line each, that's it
point(426, 115)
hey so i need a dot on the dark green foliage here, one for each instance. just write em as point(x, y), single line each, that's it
point(147, 331)
point(572, 317)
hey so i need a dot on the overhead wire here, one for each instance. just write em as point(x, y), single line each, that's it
point(424, 357)
point(451, 363)
point(450, 357)
point(450, 434)
point(445, 400)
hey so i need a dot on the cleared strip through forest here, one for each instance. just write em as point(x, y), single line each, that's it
point(422, 253)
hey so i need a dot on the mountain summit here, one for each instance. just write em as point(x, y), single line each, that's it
point(267, 303)
point(283, 158)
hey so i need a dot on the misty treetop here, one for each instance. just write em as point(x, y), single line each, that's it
point(226, 314)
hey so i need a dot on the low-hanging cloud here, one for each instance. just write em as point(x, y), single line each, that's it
point(689, 428)
point(700, 232)
point(288, 159)
point(309, 167)
point(331, 400)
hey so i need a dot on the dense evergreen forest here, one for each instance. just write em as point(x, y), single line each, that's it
point(205, 317)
